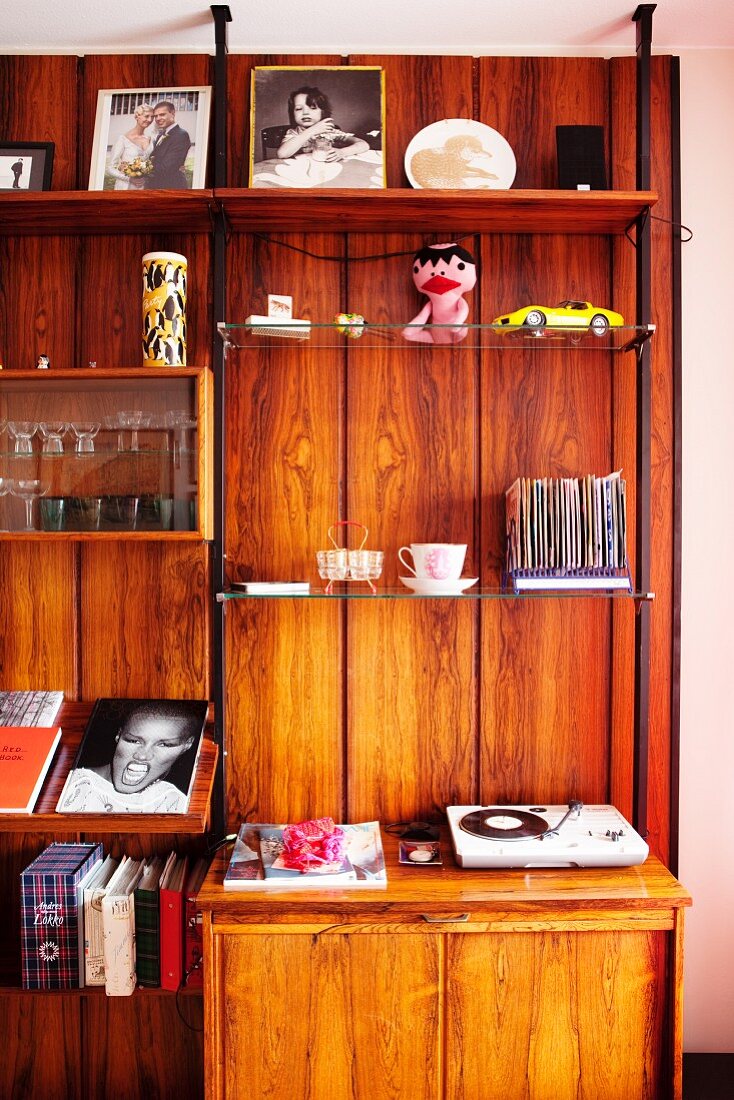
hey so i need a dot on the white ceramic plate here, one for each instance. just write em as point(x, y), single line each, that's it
point(458, 153)
point(426, 586)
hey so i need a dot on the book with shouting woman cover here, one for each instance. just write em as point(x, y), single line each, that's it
point(136, 756)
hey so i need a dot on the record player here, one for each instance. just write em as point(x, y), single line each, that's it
point(544, 836)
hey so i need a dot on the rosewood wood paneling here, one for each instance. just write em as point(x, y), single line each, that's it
point(160, 1056)
point(345, 1043)
point(624, 397)
point(39, 97)
point(37, 301)
point(418, 90)
point(570, 1007)
point(411, 477)
point(145, 621)
point(38, 617)
point(546, 674)
point(623, 86)
point(110, 297)
point(411, 699)
point(42, 1049)
point(284, 715)
point(285, 455)
point(525, 98)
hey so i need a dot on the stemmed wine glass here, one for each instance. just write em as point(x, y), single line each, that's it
point(22, 432)
point(85, 432)
point(114, 424)
point(180, 421)
point(7, 484)
point(30, 489)
point(134, 420)
point(52, 432)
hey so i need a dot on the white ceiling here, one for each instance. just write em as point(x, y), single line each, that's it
point(476, 27)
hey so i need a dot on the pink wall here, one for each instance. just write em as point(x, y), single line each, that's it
point(707, 654)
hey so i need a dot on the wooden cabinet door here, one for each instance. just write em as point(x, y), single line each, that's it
point(326, 1017)
point(555, 1016)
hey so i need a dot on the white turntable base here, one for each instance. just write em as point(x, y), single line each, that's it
point(584, 841)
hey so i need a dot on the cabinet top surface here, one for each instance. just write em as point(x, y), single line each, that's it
point(428, 889)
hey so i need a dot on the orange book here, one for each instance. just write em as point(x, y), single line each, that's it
point(26, 753)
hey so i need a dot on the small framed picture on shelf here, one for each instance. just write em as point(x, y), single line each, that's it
point(317, 127)
point(150, 139)
point(26, 165)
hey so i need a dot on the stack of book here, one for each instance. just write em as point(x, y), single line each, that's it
point(87, 920)
point(258, 863)
point(568, 532)
point(29, 738)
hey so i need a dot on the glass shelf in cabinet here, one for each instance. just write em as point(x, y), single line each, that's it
point(364, 593)
point(282, 333)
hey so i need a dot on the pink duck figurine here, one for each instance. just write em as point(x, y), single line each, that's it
point(444, 273)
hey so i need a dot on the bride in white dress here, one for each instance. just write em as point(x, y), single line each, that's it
point(135, 143)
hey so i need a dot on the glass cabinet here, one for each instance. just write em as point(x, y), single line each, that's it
point(105, 453)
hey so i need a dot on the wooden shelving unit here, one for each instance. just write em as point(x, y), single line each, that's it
point(44, 819)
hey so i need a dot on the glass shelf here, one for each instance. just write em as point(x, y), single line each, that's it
point(362, 592)
point(239, 335)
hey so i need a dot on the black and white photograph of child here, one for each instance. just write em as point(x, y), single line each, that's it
point(317, 127)
point(136, 756)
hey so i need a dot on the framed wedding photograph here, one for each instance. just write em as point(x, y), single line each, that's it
point(150, 139)
point(26, 165)
point(319, 127)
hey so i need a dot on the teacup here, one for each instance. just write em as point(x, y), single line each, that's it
point(439, 561)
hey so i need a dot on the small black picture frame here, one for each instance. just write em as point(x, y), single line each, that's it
point(26, 165)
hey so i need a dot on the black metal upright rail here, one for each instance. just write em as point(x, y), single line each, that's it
point(221, 16)
point(643, 18)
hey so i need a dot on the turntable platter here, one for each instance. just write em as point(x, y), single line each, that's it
point(501, 823)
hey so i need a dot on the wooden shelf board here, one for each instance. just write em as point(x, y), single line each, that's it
point(405, 211)
point(41, 213)
point(395, 210)
point(72, 720)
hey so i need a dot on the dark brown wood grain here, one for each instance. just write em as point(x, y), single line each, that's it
point(418, 90)
point(150, 1026)
point(40, 103)
point(54, 1022)
point(525, 98)
point(38, 617)
point(145, 621)
point(400, 210)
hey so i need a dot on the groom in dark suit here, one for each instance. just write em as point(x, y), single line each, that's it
point(170, 149)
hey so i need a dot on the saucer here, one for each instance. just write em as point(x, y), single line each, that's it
point(426, 586)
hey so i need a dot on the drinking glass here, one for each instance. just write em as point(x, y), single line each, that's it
point(30, 489)
point(85, 433)
point(134, 420)
point(53, 510)
point(114, 424)
point(180, 421)
point(52, 432)
point(89, 510)
point(22, 432)
point(7, 484)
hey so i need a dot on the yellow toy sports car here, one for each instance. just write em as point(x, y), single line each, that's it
point(565, 314)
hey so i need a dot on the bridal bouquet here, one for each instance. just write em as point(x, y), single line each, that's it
point(136, 168)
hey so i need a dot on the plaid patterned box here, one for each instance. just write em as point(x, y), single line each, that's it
point(50, 915)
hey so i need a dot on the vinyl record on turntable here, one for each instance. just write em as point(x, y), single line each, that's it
point(500, 823)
